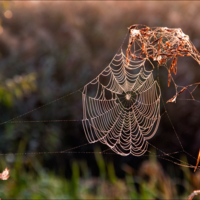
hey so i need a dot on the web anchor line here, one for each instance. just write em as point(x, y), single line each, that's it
point(40, 107)
point(45, 121)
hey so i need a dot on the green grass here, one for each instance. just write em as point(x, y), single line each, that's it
point(31, 181)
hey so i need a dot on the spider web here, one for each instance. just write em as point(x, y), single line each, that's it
point(131, 115)
point(121, 106)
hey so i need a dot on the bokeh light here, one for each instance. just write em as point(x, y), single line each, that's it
point(8, 14)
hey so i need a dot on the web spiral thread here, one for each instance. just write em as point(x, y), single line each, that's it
point(121, 106)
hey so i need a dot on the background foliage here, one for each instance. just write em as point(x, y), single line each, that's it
point(50, 49)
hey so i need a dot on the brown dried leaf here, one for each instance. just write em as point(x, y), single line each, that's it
point(173, 99)
point(5, 174)
point(195, 192)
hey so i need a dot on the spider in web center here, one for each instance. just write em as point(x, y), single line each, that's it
point(128, 96)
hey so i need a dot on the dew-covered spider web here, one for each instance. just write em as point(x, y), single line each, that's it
point(121, 106)
point(124, 112)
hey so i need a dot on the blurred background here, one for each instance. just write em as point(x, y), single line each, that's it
point(50, 49)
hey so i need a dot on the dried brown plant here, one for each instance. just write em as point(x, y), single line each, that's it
point(5, 174)
point(160, 44)
point(195, 192)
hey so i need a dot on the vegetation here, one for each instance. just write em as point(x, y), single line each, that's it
point(50, 49)
point(149, 182)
